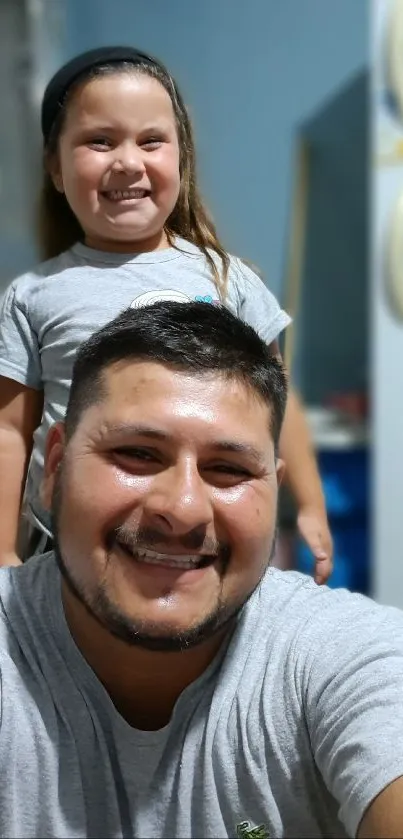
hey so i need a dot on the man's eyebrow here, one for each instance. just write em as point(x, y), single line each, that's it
point(233, 447)
point(129, 430)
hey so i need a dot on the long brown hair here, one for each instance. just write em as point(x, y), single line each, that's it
point(58, 227)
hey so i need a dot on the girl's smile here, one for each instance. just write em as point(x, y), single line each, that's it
point(118, 161)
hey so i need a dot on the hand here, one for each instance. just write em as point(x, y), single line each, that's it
point(314, 529)
point(9, 559)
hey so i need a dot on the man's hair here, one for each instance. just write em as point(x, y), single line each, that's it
point(197, 338)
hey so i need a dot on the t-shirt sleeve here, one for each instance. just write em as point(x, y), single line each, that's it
point(354, 704)
point(19, 350)
point(257, 305)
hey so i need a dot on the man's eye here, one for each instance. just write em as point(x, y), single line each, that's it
point(134, 454)
point(230, 469)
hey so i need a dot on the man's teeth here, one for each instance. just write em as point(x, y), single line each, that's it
point(181, 561)
point(123, 194)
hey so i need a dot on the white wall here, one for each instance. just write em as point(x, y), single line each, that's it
point(387, 357)
point(30, 51)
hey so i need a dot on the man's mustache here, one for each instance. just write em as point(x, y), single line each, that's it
point(145, 538)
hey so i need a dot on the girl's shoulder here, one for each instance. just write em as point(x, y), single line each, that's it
point(246, 274)
point(31, 285)
point(43, 270)
point(241, 273)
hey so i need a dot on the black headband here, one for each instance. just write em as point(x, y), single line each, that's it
point(62, 80)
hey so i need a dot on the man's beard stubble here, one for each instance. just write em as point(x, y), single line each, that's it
point(142, 633)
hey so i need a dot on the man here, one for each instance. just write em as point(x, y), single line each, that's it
point(157, 678)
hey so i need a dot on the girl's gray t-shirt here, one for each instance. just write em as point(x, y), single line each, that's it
point(46, 314)
point(293, 730)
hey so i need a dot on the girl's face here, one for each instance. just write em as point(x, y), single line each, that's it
point(118, 161)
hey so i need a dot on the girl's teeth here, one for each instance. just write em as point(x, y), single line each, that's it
point(121, 195)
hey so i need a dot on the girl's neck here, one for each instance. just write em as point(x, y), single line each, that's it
point(157, 242)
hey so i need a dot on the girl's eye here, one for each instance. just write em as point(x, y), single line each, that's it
point(152, 143)
point(99, 143)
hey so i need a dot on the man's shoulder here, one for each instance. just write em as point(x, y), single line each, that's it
point(23, 592)
point(308, 615)
point(293, 638)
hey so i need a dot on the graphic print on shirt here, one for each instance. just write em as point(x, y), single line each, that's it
point(207, 298)
point(245, 831)
point(150, 297)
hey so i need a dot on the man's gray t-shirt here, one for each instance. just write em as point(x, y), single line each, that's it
point(296, 726)
point(48, 313)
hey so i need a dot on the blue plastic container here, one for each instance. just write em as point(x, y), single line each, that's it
point(345, 477)
point(351, 556)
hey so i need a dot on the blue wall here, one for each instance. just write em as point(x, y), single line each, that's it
point(331, 351)
point(252, 73)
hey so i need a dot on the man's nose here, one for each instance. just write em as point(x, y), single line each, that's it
point(179, 501)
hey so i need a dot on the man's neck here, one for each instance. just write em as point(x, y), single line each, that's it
point(143, 685)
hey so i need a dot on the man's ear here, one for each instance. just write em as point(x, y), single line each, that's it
point(54, 451)
point(280, 470)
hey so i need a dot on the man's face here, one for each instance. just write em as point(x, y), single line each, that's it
point(165, 503)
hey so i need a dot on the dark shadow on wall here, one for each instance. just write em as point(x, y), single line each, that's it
point(331, 352)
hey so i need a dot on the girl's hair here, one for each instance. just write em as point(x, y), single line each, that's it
point(59, 229)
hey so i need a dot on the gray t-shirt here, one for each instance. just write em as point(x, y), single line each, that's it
point(296, 725)
point(48, 313)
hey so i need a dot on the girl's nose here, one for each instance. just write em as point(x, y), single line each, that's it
point(128, 160)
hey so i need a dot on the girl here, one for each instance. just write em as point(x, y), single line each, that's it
point(121, 223)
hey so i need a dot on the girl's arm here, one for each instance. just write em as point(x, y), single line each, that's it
point(20, 414)
point(303, 479)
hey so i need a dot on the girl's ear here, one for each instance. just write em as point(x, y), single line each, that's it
point(55, 172)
